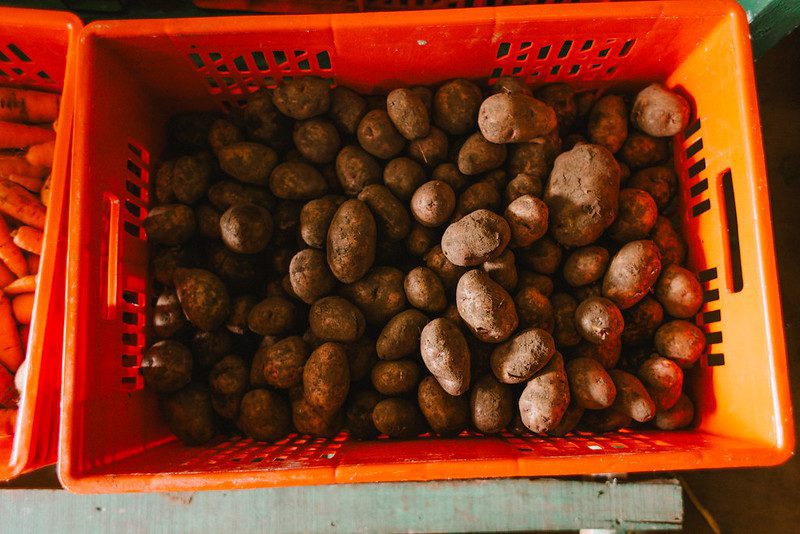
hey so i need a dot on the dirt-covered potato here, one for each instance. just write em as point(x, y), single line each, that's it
point(424, 290)
point(480, 195)
point(543, 256)
point(641, 150)
point(477, 155)
point(274, 316)
point(660, 182)
point(391, 215)
point(679, 416)
point(302, 98)
point(632, 272)
point(491, 405)
point(523, 185)
point(680, 341)
point(565, 331)
point(256, 376)
point(239, 271)
point(448, 272)
point(395, 377)
point(166, 366)
point(455, 106)
point(527, 219)
point(246, 228)
point(446, 414)
point(608, 123)
point(264, 415)
point(362, 357)
point(590, 386)
point(347, 109)
point(632, 398)
point(168, 318)
point(430, 150)
point(408, 113)
point(588, 291)
point(308, 419)
point(310, 276)
point(602, 421)
point(240, 311)
point(598, 319)
point(378, 135)
point(668, 241)
point(522, 356)
point(336, 319)
point(515, 118)
point(351, 241)
point(679, 291)
point(582, 194)
point(498, 178)
point(326, 378)
point(400, 337)
point(531, 159)
point(560, 97)
point(660, 112)
point(189, 414)
point(228, 382)
point(315, 219)
point(248, 162)
point(403, 176)
point(163, 183)
point(585, 265)
point(540, 282)
point(397, 418)
point(432, 203)
point(379, 295)
point(487, 309)
point(606, 353)
point(510, 84)
point(223, 133)
point(296, 180)
point(191, 177)
point(170, 224)
point(568, 422)
point(317, 140)
point(503, 270)
point(663, 380)
point(356, 169)
point(420, 239)
point(641, 322)
point(207, 221)
point(203, 297)
point(534, 309)
point(262, 121)
point(228, 193)
point(637, 215)
point(546, 397)
point(446, 355)
point(478, 237)
point(358, 414)
point(282, 362)
point(210, 347)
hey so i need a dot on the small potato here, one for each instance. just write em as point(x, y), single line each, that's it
point(351, 241)
point(510, 85)
point(680, 341)
point(283, 362)
point(632, 272)
point(663, 380)
point(191, 177)
point(403, 176)
point(302, 98)
point(400, 337)
point(240, 311)
point(545, 399)
point(168, 318)
point(203, 296)
point(170, 224)
point(679, 416)
point(163, 183)
point(565, 331)
point(669, 242)
point(448, 272)
point(585, 265)
point(491, 405)
point(478, 155)
point(641, 150)
point(660, 112)
point(359, 414)
point(543, 256)
point(602, 421)
point(641, 322)
point(189, 414)
point(296, 180)
point(336, 319)
point(310, 277)
point(679, 291)
point(395, 377)
point(446, 355)
point(228, 193)
point(598, 319)
point(326, 378)
point(210, 347)
point(397, 418)
point(632, 398)
point(476, 238)
point(522, 356)
point(420, 239)
point(347, 109)
point(250, 163)
point(166, 366)
point(530, 159)
point(207, 221)
point(274, 316)
point(228, 382)
point(637, 215)
point(568, 422)
point(315, 219)
point(264, 415)
point(308, 419)
point(606, 353)
point(246, 228)
point(432, 203)
point(480, 195)
point(238, 271)
point(560, 97)
point(540, 282)
point(515, 118)
point(455, 106)
point(608, 123)
point(424, 290)
point(660, 182)
point(523, 185)
point(446, 414)
point(391, 215)
point(356, 169)
point(487, 309)
point(408, 113)
point(379, 295)
point(430, 150)
point(590, 386)
point(223, 133)
point(503, 270)
point(534, 309)
point(317, 140)
point(262, 120)
point(527, 219)
point(362, 357)
point(378, 136)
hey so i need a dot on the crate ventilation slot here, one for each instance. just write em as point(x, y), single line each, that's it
point(132, 338)
point(711, 318)
point(17, 66)
point(136, 196)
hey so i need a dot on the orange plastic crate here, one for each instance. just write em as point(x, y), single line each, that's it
point(346, 6)
point(37, 50)
point(134, 75)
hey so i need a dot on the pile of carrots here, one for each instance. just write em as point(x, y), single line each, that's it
point(27, 141)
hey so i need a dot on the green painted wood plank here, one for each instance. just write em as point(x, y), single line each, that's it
point(770, 21)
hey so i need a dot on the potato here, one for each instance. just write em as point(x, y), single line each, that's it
point(246, 228)
point(560, 97)
point(546, 397)
point(523, 185)
point(317, 140)
point(503, 270)
point(510, 85)
point(284, 361)
point(663, 380)
point(207, 219)
point(400, 337)
point(519, 358)
point(565, 331)
point(543, 256)
point(210, 347)
point(659, 182)
point(188, 131)
point(641, 150)
point(446, 355)
point(361, 357)
point(309, 275)
point(347, 109)
point(315, 219)
point(588, 291)
point(514, 118)
point(274, 316)
point(166, 366)
point(669, 242)
point(582, 194)
point(487, 308)
point(606, 353)
point(527, 219)
point(170, 224)
point(477, 155)
point(248, 162)
point(531, 159)
point(351, 241)
point(568, 422)
point(378, 136)
point(391, 215)
point(636, 217)
point(424, 290)
point(641, 322)
point(608, 123)
point(264, 415)
point(476, 238)
point(679, 416)
point(256, 377)
point(585, 265)
point(163, 183)
point(403, 176)
point(356, 169)
point(296, 180)
point(540, 282)
point(448, 272)
point(261, 119)
point(168, 318)
point(336, 319)
point(326, 378)
point(602, 421)
point(632, 398)
point(238, 271)
point(624, 173)
point(590, 386)
point(228, 382)
point(379, 294)
point(397, 418)
point(432, 203)
point(534, 309)
point(240, 310)
point(659, 112)
point(302, 98)
point(598, 319)
point(480, 195)
point(395, 377)
point(491, 405)
point(191, 177)
point(310, 420)
point(223, 133)
point(455, 106)
point(203, 297)
point(680, 341)
point(420, 239)
point(431, 149)
point(679, 291)
point(632, 272)
point(498, 178)
point(408, 113)
point(189, 414)
point(446, 414)
point(359, 414)
point(228, 193)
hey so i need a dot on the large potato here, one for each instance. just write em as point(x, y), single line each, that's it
point(326, 378)
point(545, 398)
point(336, 319)
point(315, 219)
point(400, 337)
point(203, 296)
point(590, 386)
point(632, 272)
point(660, 182)
point(487, 309)
point(191, 177)
point(522, 356)
point(379, 295)
point(480, 195)
point(560, 97)
point(515, 118)
point(602, 421)
point(476, 238)
point(491, 405)
point(447, 415)
point(264, 415)
point(420, 239)
point(351, 241)
point(641, 150)
point(446, 355)
point(543, 256)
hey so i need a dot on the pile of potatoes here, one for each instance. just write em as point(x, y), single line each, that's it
point(432, 260)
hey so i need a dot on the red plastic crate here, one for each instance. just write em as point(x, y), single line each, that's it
point(349, 6)
point(134, 75)
point(38, 50)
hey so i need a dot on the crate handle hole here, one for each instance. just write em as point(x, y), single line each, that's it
point(735, 281)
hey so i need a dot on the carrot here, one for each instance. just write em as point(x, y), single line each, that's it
point(8, 421)
point(28, 239)
point(42, 154)
point(21, 205)
point(10, 252)
point(22, 305)
point(11, 354)
point(34, 185)
point(6, 276)
point(13, 135)
point(24, 105)
point(26, 284)
point(20, 165)
point(33, 265)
